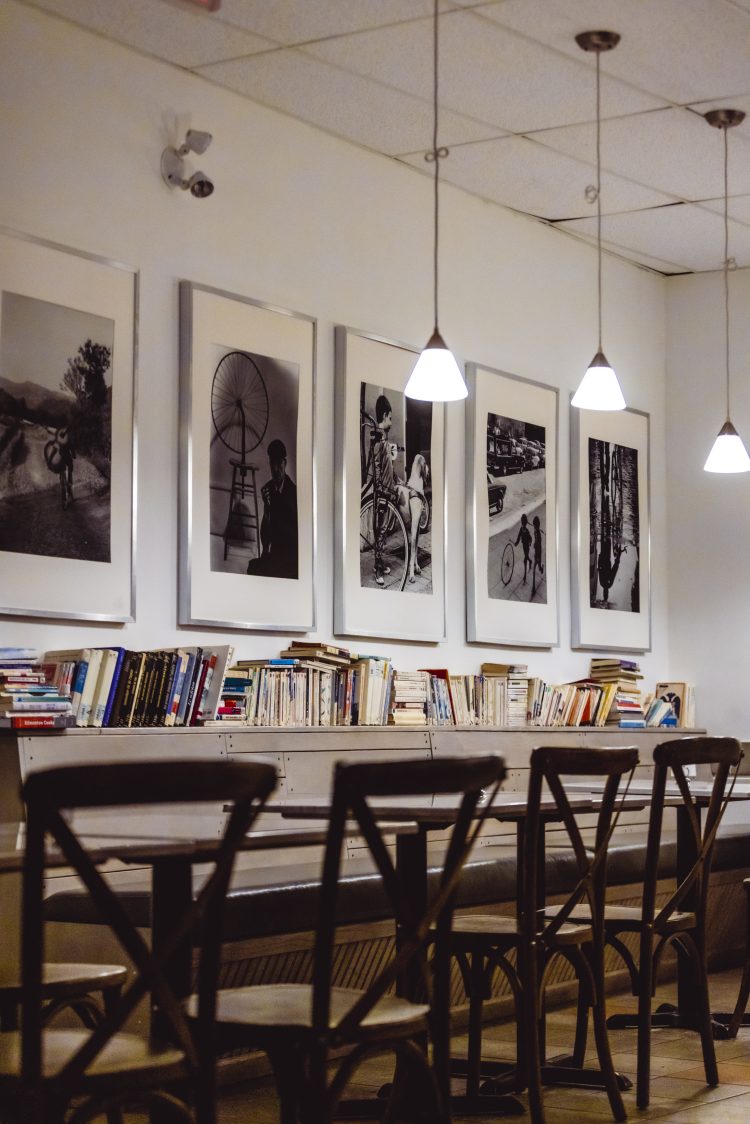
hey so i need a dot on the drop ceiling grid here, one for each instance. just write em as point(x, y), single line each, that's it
point(685, 233)
point(528, 177)
point(175, 34)
point(486, 72)
point(680, 50)
point(671, 150)
point(507, 67)
point(342, 103)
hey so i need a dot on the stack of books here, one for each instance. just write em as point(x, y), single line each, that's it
point(620, 680)
point(409, 698)
point(29, 700)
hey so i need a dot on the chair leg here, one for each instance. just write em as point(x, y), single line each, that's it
point(476, 1004)
point(645, 994)
point(595, 957)
point(704, 1011)
point(744, 994)
point(582, 1025)
point(530, 1029)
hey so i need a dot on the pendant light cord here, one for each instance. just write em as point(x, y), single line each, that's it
point(726, 259)
point(435, 155)
point(599, 190)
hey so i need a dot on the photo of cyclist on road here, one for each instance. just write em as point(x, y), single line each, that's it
point(516, 509)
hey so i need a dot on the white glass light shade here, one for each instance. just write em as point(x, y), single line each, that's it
point(436, 376)
point(728, 454)
point(599, 388)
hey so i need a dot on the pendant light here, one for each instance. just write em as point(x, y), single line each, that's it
point(436, 376)
point(599, 388)
point(728, 454)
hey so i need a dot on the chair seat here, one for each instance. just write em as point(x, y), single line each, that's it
point(504, 930)
point(628, 918)
point(63, 980)
point(290, 1005)
point(125, 1055)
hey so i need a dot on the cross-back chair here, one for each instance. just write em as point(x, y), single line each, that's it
point(482, 943)
point(299, 1025)
point(681, 920)
point(44, 1070)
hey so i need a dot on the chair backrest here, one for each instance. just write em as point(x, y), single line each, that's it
point(353, 787)
point(50, 797)
point(549, 764)
point(696, 839)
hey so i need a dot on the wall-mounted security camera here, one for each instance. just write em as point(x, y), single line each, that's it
point(173, 169)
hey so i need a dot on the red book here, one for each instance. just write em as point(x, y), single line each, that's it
point(38, 721)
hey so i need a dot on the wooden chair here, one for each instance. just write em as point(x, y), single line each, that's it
point(299, 1025)
point(72, 987)
point(43, 1069)
point(482, 943)
point(681, 921)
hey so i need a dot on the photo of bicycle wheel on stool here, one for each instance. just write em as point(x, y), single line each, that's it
point(395, 533)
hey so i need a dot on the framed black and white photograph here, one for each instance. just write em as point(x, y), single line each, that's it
point(511, 510)
point(610, 530)
point(390, 499)
point(247, 470)
point(67, 494)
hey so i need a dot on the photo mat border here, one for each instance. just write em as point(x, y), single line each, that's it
point(113, 594)
point(599, 629)
point(205, 596)
point(355, 607)
point(511, 624)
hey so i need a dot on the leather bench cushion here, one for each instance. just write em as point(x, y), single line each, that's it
point(272, 900)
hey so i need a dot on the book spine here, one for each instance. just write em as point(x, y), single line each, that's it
point(78, 683)
point(113, 687)
point(39, 721)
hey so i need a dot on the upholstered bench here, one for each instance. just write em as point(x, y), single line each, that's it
point(275, 900)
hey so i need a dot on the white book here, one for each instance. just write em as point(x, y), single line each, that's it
point(104, 682)
point(89, 687)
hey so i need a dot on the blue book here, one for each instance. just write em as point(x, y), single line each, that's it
point(113, 686)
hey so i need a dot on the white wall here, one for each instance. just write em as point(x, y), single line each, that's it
point(305, 221)
point(708, 514)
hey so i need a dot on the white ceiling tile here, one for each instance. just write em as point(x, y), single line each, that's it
point(518, 173)
point(169, 32)
point(637, 257)
point(298, 21)
point(672, 150)
point(485, 72)
point(345, 104)
point(739, 209)
point(683, 50)
point(685, 233)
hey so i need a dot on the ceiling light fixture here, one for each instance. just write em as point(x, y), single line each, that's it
point(173, 165)
point(599, 388)
point(728, 454)
point(436, 376)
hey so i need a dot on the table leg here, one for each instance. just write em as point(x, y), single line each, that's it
point(171, 894)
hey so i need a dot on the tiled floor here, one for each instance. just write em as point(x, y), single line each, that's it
point(678, 1091)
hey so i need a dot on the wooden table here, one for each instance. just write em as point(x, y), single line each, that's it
point(171, 854)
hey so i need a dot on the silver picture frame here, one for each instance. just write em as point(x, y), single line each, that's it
point(512, 586)
point(248, 495)
point(610, 530)
point(69, 346)
point(390, 551)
